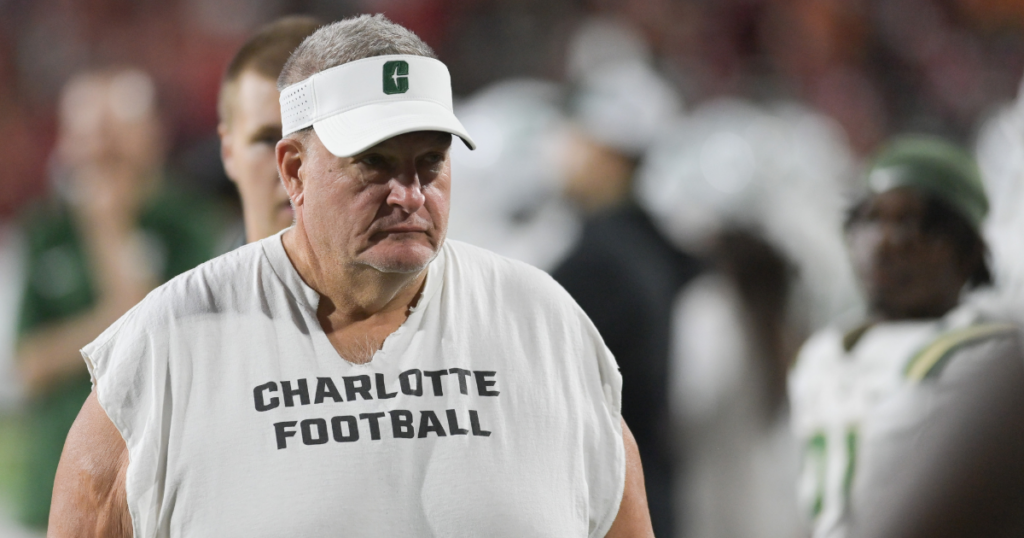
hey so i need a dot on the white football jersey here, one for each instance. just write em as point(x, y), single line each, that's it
point(835, 388)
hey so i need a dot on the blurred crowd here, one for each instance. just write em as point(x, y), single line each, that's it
point(690, 171)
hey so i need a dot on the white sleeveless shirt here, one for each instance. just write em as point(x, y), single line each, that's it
point(492, 411)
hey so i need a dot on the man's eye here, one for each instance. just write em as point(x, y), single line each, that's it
point(433, 158)
point(374, 161)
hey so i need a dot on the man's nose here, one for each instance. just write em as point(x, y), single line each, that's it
point(406, 193)
point(891, 239)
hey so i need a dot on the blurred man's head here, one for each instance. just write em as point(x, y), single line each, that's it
point(915, 239)
point(619, 111)
point(620, 104)
point(110, 144)
point(250, 123)
point(109, 119)
point(367, 116)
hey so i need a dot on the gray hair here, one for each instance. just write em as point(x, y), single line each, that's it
point(348, 40)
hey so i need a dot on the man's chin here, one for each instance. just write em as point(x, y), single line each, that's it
point(402, 259)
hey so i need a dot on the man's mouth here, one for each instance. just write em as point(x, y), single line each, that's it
point(398, 232)
point(889, 277)
point(403, 230)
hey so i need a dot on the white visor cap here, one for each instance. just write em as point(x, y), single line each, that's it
point(359, 104)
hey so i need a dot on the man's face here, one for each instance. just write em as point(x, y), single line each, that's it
point(109, 121)
point(247, 147)
point(385, 208)
point(905, 271)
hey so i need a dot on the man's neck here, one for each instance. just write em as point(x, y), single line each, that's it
point(351, 293)
point(918, 313)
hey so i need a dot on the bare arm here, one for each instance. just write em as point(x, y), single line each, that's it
point(89, 498)
point(52, 353)
point(121, 276)
point(633, 520)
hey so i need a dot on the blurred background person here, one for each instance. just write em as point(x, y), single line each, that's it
point(754, 191)
point(949, 461)
point(915, 241)
point(509, 197)
point(622, 271)
point(250, 124)
point(1000, 152)
point(114, 229)
point(618, 105)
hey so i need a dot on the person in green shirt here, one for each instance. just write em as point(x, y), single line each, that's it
point(113, 231)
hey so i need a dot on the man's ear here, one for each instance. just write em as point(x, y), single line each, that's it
point(290, 155)
point(226, 153)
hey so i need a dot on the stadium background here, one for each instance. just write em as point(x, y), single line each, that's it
point(875, 67)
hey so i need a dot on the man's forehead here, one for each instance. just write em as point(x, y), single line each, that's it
point(257, 99)
point(903, 195)
point(903, 201)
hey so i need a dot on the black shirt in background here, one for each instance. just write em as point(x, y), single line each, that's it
point(626, 276)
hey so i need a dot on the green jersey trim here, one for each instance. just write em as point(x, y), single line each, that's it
point(929, 360)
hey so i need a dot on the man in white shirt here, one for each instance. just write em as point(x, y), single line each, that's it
point(355, 374)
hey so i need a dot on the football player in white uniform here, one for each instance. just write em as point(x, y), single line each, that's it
point(915, 243)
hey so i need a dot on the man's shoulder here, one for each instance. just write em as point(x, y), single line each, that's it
point(209, 286)
point(967, 343)
point(480, 262)
point(494, 277)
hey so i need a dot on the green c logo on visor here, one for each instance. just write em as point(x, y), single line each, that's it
point(396, 77)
